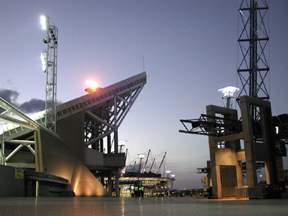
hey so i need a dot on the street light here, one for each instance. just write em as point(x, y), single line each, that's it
point(172, 175)
point(140, 156)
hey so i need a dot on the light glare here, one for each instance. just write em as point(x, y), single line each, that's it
point(91, 84)
point(44, 60)
point(43, 21)
point(228, 91)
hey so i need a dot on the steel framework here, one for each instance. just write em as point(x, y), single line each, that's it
point(205, 124)
point(105, 119)
point(15, 144)
point(254, 51)
point(49, 61)
point(103, 112)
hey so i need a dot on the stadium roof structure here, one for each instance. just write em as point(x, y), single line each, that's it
point(86, 131)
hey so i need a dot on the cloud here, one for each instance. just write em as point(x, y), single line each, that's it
point(10, 96)
point(32, 106)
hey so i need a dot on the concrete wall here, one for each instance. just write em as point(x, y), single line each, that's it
point(93, 157)
point(115, 160)
point(59, 160)
point(70, 129)
point(11, 185)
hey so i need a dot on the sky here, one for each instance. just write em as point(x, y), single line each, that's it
point(189, 50)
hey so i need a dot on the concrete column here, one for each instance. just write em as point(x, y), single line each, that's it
point(101, 145)
point(108, 144)
point(268, 140)
point(110, 184)
point(267, 170)
point(117, 183)
point(116, 141)
point(248, 142)
point(212, 148)
point(38, 151)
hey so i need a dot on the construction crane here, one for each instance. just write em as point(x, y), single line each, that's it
point(161, 163)
point(146, 160)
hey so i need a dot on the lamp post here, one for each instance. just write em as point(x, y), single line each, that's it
point(172, 175)
point(141, 156)
point(168, 172)
point(49, 66)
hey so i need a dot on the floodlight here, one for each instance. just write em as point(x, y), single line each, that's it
point(44, 61)
point(228, 91)
point(228, 96)
point(45, 40)
point(44, 22)
point(92, 86)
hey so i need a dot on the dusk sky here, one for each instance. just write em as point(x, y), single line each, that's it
point(189, 49)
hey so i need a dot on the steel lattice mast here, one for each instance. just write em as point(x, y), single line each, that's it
point(49, 66)
point(253, 47)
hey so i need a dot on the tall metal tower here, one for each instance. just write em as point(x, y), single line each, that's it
point(49, 66)
point(254, 51)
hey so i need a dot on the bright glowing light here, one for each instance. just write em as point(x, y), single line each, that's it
point(44, 22)
point(44, 60)
point(122, 142)
point(91, 84)
point(141, 156)
point(228, 91)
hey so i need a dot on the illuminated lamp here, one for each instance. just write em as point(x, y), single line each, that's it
point(168, 172)
point(92, 86)
point(228, 96)
point(141, 156)
point(44, 22)
point(44, 61)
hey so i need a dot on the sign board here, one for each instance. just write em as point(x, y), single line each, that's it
point(205, 183)
point(19, 173)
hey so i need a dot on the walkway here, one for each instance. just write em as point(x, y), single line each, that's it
point(140, 206)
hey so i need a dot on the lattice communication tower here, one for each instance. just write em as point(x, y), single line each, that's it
point(253, 41)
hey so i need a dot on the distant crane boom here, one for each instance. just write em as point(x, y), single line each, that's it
point(161, 163)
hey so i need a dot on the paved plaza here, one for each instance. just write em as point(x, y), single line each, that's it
point(140, 206)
